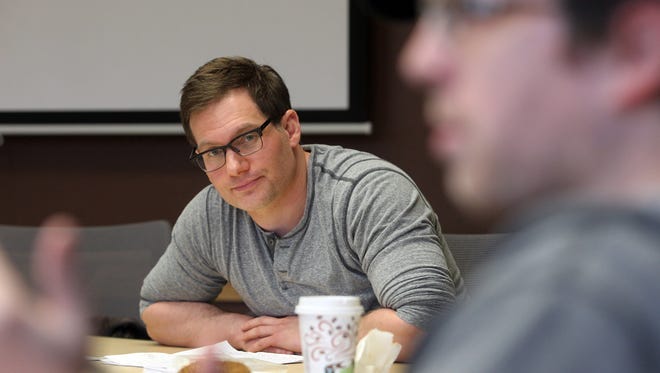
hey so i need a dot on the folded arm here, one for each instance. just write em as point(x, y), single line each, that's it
point(193, 324)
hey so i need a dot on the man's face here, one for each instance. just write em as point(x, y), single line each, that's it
point(505, 104)
point(254, 182)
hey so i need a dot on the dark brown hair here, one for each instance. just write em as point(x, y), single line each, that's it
point(590, 20)
point(216, 78)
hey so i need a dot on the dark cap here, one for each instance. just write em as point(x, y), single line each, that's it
point(391, 9)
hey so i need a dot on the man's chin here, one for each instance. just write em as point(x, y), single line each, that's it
point(242, 203)
point(471, 197)
point(247, 207)
point(480, 204)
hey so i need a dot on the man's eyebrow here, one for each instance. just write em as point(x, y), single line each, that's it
point(245, 127)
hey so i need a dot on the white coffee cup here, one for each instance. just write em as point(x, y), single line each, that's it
point(328, 332)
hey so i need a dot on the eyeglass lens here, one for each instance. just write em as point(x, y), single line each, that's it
point(244, 145)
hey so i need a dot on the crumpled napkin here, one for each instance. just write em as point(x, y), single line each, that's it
point(163, 362)
point(376, 352)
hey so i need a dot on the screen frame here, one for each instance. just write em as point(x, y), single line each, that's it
point(352, 120)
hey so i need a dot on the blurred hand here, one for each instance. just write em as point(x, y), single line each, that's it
point(43, 331)
point(209, 363)
point(272, 334)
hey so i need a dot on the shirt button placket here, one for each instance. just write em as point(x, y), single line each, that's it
point(281, 264)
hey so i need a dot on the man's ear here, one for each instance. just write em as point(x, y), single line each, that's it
point(635, 39)
point(291, 125)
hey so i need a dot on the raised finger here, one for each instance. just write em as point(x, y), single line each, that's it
point(53, 260)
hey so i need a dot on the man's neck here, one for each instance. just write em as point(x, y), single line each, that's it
point(282, 217)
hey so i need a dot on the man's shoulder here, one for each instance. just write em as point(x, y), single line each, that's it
point(594, 250)
point(594, 224)
point(566, 273)
point(207, 209)
point(206, 195)
point(206, 204)
point(347, 163)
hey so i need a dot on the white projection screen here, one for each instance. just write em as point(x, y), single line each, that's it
point(116, 67)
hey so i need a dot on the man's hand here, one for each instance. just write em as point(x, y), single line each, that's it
point(43, 331)
point(272, 334)
point(170, 323)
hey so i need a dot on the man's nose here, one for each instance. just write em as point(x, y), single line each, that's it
point(235, 163)
point(426, 58)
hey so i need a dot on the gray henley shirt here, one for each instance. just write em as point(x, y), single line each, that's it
point(366, 231)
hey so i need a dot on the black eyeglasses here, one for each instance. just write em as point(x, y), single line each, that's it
point(244, 144)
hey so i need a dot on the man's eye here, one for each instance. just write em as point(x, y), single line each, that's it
point(250, 137)
point(213, 153)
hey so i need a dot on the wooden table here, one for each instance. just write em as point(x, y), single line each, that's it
point(100, 346)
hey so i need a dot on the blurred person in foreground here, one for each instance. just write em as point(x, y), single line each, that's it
point(43, 330)
point(548, 113)
point(283, 220)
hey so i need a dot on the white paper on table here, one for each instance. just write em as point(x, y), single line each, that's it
point(163, 362)
point(225, 350)
point(154, 361)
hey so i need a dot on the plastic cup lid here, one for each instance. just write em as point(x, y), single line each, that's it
point(324, 304)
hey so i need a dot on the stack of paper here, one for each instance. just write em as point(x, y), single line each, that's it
point(162, 362)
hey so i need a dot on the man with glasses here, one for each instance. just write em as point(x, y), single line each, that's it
point(283, 220)
point(548, 113)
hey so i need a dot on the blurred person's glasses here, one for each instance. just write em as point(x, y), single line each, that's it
point(455, 14)
point(244, 144)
